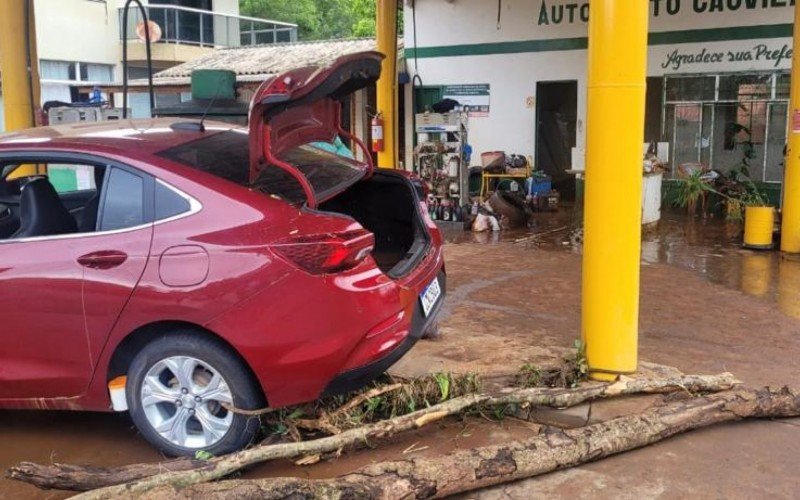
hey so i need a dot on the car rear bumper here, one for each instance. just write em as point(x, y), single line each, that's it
point(357, 378)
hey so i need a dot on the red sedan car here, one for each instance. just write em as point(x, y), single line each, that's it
point(215, 268)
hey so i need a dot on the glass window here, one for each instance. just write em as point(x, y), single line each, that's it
point(326, 165)
point(227, 155)
point(744, 124)
point(745, 87)
point(68, 178)
point(124, 205)
point(686, 120)
point(55, 70)
point(690, 88)
point(169, 203)
point(783, 86)
point(753, 116)
point(776, 141)
point(99, 72)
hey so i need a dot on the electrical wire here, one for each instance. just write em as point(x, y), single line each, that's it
point(416, 77)
point(148, 52)
point(29, 59)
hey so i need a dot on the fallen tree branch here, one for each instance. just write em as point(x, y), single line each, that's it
point(326, 423)
point(143, 477)
point(471, 469)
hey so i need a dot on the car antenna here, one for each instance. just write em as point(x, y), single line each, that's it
point(198, 126)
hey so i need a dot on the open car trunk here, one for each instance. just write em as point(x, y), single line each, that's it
point(294, 113)
point(387, 205)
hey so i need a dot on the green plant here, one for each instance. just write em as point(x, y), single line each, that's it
point(443, 379)
point(528, 376)
point(570, 373)
point(689, 191)
point(578, 364)
point(739, 192)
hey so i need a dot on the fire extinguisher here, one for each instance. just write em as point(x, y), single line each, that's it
point(377, 133)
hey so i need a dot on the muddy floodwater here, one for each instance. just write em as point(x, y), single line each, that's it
point(709, 247)
point(707, 304)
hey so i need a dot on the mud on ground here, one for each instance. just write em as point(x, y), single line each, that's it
point(514, 298)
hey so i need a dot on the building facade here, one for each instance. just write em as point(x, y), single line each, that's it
point(79, 42)
point(718, 77)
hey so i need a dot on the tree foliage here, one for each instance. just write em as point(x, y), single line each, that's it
point(318, 19)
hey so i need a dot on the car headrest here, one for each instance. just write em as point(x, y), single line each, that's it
point(41, 211)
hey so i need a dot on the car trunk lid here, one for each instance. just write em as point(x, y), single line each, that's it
point(292, 113)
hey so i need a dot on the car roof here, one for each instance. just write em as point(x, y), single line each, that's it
point(136, 138)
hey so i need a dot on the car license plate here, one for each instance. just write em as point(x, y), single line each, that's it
point(429, 296)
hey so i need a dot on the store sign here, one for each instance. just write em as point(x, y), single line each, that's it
point(555, 12)
point(684, 59)
point(474, 98)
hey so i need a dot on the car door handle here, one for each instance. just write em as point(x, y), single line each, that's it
point(104, 259)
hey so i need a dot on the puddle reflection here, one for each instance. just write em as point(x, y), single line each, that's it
point(709, 247)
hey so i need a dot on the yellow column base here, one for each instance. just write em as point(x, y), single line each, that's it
point(613, 199)
point(603, 377)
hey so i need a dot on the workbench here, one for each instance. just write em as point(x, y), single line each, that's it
point(487, 177)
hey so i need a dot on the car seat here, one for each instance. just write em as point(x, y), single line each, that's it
point(41, 211)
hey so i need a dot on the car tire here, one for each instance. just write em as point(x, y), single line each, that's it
point(510, 206)
point(168, 406)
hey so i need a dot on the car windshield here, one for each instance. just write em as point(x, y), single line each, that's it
point(227, 155)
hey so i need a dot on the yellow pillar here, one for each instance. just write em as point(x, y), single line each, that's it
point(790, 222)
point(386, 87)
point(20, 83)
point(613, 198)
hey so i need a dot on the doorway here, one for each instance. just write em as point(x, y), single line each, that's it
point(556, 119)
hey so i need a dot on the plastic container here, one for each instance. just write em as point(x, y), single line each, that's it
point(759, 223)
point(493, 159)
point(538, 186)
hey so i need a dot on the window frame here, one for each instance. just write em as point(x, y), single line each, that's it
point(769, 100)
point(147, 200)
point(99, 161)
point(78, 71)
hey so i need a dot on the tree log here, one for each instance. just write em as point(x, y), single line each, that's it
point(143, 477)
point(468, 470)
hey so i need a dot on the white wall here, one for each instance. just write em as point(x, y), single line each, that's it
point(78, 30)
point(87, 31)
point(226, 6)
point(510, 126)
point(513, 76)
point(226, 30)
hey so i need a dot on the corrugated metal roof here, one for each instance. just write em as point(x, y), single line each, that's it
point(253, 64)
point(271, 59)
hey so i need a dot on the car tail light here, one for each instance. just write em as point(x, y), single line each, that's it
point(327, 253)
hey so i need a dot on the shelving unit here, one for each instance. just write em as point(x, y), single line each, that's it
point(439, 157)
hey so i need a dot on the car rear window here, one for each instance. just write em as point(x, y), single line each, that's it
point(325, 166)
point(227, 155)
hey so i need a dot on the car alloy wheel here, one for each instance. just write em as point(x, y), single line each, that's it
point(184, 399)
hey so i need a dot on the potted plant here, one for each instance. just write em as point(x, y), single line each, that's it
point(690, 190)
point(739, 192)
point(744, 201)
